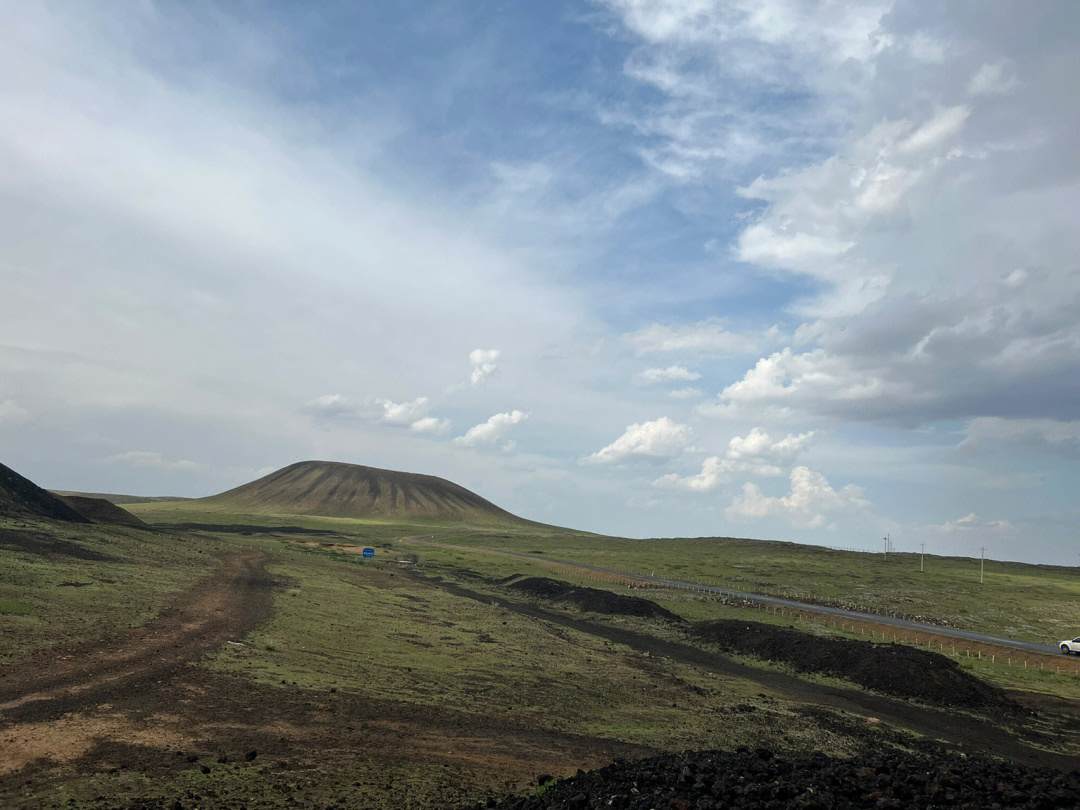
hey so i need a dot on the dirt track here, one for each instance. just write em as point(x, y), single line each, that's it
point(141, 703)
point(221, 608)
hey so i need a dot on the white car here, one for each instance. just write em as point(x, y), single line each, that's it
point(1070, 646)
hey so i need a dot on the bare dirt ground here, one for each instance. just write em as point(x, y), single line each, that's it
point(142, 705)
point(62, 685)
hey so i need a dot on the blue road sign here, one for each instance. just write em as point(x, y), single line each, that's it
point(369, 552)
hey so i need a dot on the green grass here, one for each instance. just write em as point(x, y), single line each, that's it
point(365, 627)
point(12, 608)
point(361, 626)
point(695, 606)
point(1029, 602)
point(1022, 601)
point(57, 599)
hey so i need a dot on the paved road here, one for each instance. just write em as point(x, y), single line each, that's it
point(950, 632)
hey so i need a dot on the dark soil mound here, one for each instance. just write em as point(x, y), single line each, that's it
point(893, 669)
point(594, 600)
point(100, 510)
point(351, 490)
point(21, 497)
point(743, 779)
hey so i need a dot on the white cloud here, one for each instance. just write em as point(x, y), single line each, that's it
point(816, 218)
point(705, 57)
point(990, 81)
point(705, 337)
point(401, 413)
point(144, 459)
point(925, 48)
point(1017, 277)
point(811, 375)
point(493, 429)
point(840, 32)
point(685, 393)
point(483, 364)
point(780, 248)
point(805, 506)
point(653, 376)
point(714, 472)
point(755, 453)
point(11, 412)
point(808, 332)
point(430, 424)
point(946, 122)
point(661, 438)
point(973, 523)
point(330, 406)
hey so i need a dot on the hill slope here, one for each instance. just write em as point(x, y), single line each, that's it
point(119, 500)
point(21, 497)
point(335, 489)
point(100, 510)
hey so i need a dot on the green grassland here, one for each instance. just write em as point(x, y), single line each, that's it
point(1032, 602)
point(345, 623)
point(369, 628)
point(93, 582)
point(1038, 603)
point(695, 606)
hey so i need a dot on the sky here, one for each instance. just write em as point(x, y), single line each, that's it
point(805, 271)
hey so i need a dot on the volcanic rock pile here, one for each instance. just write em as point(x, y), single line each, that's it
point(758, 780)
point(593, 600)
point(892, 669)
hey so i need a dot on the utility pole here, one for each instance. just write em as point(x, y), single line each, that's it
point(886, 539)
point(982, 564)
point(922, 557)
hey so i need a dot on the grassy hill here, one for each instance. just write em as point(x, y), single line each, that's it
point(334, 489)
point(119, 500)
point(100, 510)
point(21, 497)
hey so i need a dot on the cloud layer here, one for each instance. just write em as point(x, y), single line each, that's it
point(740, 251)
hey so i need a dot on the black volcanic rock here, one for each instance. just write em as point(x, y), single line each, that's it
point(758, 780)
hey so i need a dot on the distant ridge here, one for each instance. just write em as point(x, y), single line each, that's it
point(21, 497)
point(119, 500)
point(100, 510)
point(335, 489)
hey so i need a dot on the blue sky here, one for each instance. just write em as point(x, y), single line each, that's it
point(793, 270)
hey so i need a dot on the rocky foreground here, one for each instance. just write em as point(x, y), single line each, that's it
point(758, 780)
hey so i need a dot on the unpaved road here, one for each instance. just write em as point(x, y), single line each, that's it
point(142, 704)
point(219, 609)
point(968, 732)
